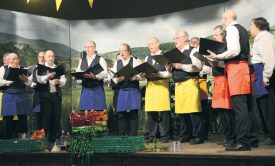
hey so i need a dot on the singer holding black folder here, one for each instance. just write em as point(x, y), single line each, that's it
point(157, 96)
point(221, 101)
point(129, 95)
point(239, 81)
point(15, 102)
point(37, 87)
point(92, 94)
point(187, 99)
point(51, 98)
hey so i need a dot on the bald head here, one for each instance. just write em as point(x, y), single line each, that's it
point(228, 17)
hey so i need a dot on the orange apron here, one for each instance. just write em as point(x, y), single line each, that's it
point(221, 97)
point(238, 77)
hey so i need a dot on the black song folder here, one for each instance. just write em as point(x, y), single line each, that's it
point(126, 71)
point(14, 73)
point(211, 45)
point(96, 69)
point(43, 70)
point(146, 68)
point(172, 56)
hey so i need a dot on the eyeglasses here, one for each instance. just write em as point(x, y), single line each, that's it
point(89, 47)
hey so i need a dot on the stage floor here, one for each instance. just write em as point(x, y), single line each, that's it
point(207, 154)
point(210, 148)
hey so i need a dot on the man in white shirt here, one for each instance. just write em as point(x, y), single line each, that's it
point(51, 98)
point(129, 95)
point(92, 94)
point(15, 102)
point(263, 62)
point(157, 96)
point(37, 87)
point(187, 99)
point(238, 74)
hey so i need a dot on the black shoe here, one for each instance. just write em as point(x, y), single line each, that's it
point(196, 141)
point(254, 145)
point(267, 141)
point(229, 143)
point(238, 147)
point(184, 140)
point(221, 142)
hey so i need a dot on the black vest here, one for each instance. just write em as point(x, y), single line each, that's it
point(38, 86)
point(44, 89)
point(127, 83)
point(244, 45)
point(16, 84)
point(157, 66)
point(179, 75)
point(90, 83)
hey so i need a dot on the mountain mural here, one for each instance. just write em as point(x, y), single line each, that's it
point(29, 48)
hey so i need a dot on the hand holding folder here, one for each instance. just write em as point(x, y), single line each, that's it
point(203, 59)
point(44, 70)
point(126, 71)
point(146, 68)
point(14, 73)
point(96, 69)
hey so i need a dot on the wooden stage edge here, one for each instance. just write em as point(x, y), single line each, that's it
point(207, 154)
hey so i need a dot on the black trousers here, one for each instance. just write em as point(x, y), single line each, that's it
point(205, 117)
point(245, 118)
point(3, 129)
point(38, 118)
point(228, 123)
point(159, 121)
point(266, 105)
point(191, 126)
point(51, 112)
point(128, 122)
point(14, 127)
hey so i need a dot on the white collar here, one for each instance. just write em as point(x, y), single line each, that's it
point(186, 47)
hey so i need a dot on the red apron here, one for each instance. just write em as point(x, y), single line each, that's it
point(238, 77)
point(221, 97)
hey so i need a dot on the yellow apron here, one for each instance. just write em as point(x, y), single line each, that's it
point(203, 89)
point(187, 98)
point(1, 94)
point(157, 97)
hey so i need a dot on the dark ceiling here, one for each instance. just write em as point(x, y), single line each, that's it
point(103, 9)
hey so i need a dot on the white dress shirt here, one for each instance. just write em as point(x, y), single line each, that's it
point(44, 79)
point(196, 65)
point(232, 41)
point(263, 51)
point(162, 74)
